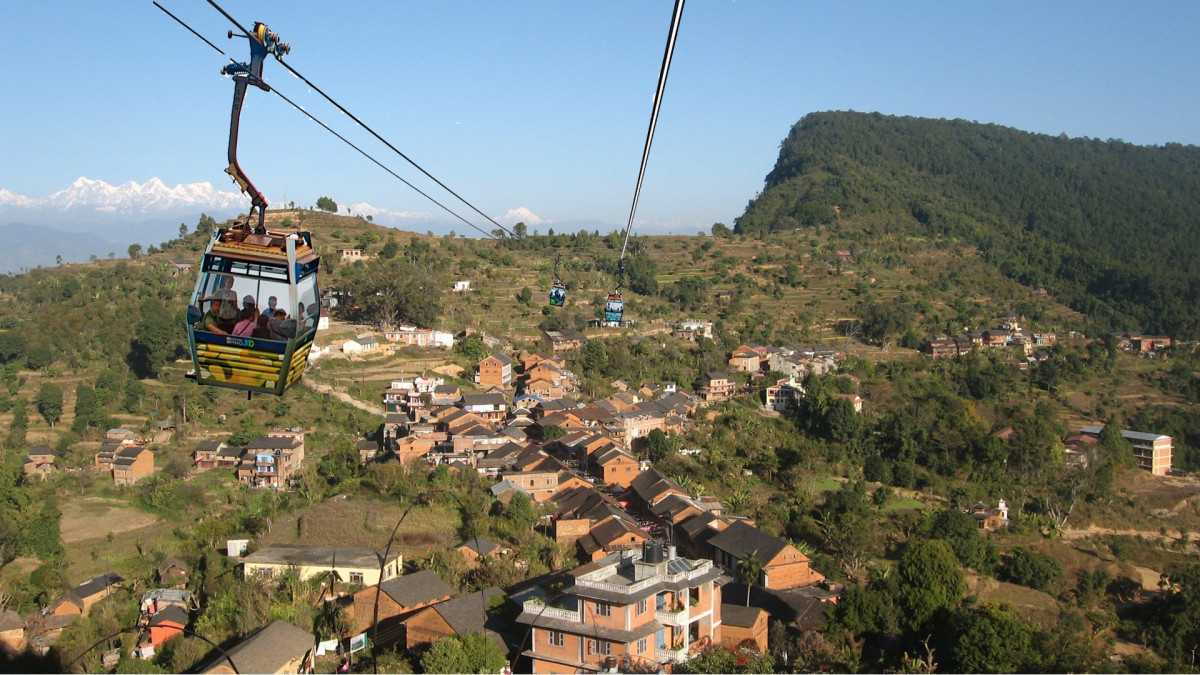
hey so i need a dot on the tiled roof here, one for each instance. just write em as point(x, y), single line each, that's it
point(417, 588)
point(739, 539)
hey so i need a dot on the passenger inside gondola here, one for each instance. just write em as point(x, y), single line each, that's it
point(222, 314)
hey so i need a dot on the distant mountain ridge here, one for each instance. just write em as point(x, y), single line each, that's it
point(1109, 227)
point(149, 199)
point(92, 217)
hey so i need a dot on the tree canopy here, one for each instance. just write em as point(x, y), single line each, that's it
point(469, 653)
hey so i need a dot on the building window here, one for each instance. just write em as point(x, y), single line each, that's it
point(603, 609)
point(599, 647)
point(641, 646)
point(557, 638)
point(643, 605)
point(356, 577)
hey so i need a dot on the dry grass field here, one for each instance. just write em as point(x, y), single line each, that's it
point(367, 523)
point(95, 518)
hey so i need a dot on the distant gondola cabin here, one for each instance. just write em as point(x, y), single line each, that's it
point(254, 311)
point(614, 309)
point(558, 295)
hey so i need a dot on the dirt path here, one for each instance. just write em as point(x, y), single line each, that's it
point(1096, 530)
point(342, 396)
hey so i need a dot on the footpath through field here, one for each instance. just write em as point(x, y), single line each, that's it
point(342, 396)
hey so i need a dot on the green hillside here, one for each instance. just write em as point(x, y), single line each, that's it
point(1108, 227)
point(873, 497)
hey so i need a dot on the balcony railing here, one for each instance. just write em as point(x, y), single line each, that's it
point(672, 655)
point(700, 570)
point(539, 609)
point(679, 618)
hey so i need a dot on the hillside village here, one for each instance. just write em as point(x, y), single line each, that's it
point(637, 537)
point(684, 493)
point(585, 466)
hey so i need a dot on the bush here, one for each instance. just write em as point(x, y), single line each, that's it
point(1035, 570)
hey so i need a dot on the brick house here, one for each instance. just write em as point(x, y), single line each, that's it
point(673, 509)
point(531, 361)
point(642, 609)
point(614, 466)
point(545, 368)
point(129, 464)
point(745, 359)
point(1144, 344)
point(545, 388)
point(540, 485)
point(632, 425)
point(280, 647)
point(610, 535)
point(714, 386)
point(495, 371)
point(783, 565)
point(79, 600)
point(215, 455)
point(943, 347)
point(650, 487)
point(39, 462)
point(565, 340)
point(475, 549)
point(468, 614)
point(744, 628)
point(397, 599)
point(271, 461)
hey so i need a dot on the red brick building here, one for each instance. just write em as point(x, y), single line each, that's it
point(638, 610)
point(495, 371)
point(397, 599)
point(783, 565)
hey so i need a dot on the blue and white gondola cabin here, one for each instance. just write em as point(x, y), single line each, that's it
point(614, 308)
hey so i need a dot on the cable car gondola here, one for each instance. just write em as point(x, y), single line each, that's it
point(558, 292)
point(614, 308)
point(254, 310)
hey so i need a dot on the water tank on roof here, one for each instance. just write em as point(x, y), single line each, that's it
point(652, 552)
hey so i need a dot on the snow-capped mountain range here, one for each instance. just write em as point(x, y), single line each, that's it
point(92, 217)
point(139, 200)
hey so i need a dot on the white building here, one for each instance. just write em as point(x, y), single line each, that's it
point(421, 337)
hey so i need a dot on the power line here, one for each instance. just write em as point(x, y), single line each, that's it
point(181, 23)
point(380, 164)
point(369, 129)
point(658, 95)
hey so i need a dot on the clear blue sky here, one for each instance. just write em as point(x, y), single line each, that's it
point(543, 105)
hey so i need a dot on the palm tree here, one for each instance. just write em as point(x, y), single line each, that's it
point(749, 570)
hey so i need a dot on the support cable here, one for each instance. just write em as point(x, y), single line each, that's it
point(330, 130)
point(369, 129)
point(658, 96)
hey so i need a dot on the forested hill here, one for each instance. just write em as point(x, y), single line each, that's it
point(1112, 229)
